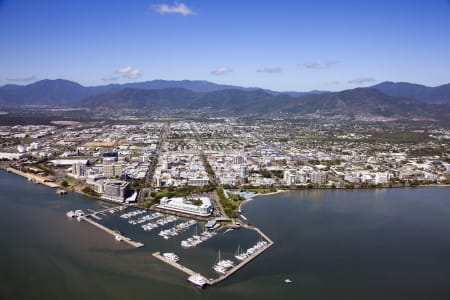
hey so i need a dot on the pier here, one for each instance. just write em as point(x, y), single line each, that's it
point(113, 233)
point(102, 212)
point(174, 264)
point(241, 265)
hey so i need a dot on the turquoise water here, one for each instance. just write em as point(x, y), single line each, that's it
point(368, 244)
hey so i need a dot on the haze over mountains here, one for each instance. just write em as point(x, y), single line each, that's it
point(386, 99)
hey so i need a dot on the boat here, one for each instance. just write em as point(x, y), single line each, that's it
point(287, 280)
point(186, 244)
point(70, 214)
point(220, 269)
point(79, 213)
point(243, 217)
point(240, 255)
point(198, 280)
point(61, 192)
point(222, 266)
point(228, 230)
point(118, 238)
point(171, 256)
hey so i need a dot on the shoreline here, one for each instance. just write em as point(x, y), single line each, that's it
point(41, 180)
point(259, 195)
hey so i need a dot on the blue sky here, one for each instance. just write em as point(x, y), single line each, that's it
point(280, 45)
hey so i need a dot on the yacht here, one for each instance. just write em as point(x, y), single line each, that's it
point(70, 214)
point(79, 213)
point(220, 269)
point(198, 280)
point(240, 255)
point(118, 238)
point(171, 256)
point(226, 263)
point(186, 244)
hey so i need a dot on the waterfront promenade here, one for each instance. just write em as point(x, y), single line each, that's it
point(33, 177)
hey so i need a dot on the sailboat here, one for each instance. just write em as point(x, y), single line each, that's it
point(240, 255)
point(219, 268)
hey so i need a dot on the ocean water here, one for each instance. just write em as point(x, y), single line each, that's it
point(364, 244)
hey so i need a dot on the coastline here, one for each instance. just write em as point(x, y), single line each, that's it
point(259, 195)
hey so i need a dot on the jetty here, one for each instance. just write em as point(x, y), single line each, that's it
point(113, 233)
point(174, 264)
point(95, 214)
point(241, 265)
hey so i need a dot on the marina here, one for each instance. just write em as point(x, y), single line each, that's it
point(224, 267)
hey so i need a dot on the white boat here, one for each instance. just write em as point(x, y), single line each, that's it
point(186, 244)
point(171, 256)
point(240, 255)
point(287, 280)
point(118, 238)
point(70, 214)
point(228, 230)
point(220, 269)
point(198, 280)
point(222, 266)
point(79, 213)
point(226, 263)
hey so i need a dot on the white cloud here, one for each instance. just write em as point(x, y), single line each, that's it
point(319, 65)
point(129, 72)
point(221, 71)
point(21, 79)
point(176, 8)
point(362, 80)
point(270, 70)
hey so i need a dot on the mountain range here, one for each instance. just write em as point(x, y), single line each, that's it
point(387, 99)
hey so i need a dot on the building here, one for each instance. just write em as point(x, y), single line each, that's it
point(198, 181)
point(243, 171)
point(183, 205)
point(320, 177)
point(381, 178)
point(78, 170)
point(238, 160)
point(112, 170)
point(116, 190)
point(301, 176)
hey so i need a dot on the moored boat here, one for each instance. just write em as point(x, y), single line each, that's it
point(198, 280)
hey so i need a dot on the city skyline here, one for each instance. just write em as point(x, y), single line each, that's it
point(279, 46)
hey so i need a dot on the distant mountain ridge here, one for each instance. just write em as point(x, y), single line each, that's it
point(360, 102)
point(438, 94)
point(387, 99)
point(65, 92)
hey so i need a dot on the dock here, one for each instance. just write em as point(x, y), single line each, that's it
point(174, 264)
point(94, 214)
point(241, 265)
point(107, 230)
